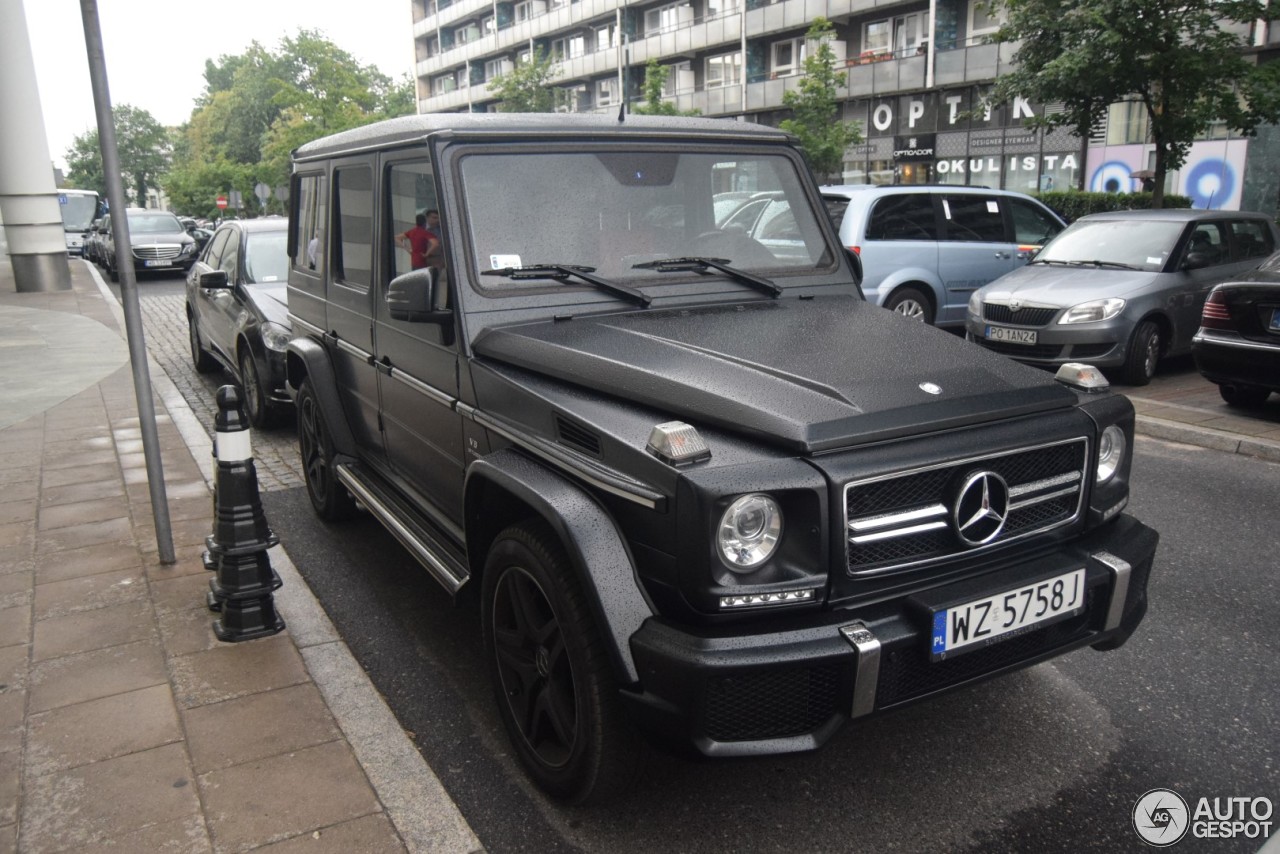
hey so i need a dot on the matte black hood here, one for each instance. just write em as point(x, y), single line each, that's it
point(811, 375)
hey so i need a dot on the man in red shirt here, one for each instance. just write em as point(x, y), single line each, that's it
point(418, 242)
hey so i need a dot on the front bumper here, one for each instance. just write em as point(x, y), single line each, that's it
point(790, 689)
point(1102, 344)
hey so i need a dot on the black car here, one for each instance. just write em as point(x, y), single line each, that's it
point(160, 243)
point(237, 313)
point(702, 488)
point(1238, 345)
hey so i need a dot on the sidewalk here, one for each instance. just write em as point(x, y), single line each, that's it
point(124, 723)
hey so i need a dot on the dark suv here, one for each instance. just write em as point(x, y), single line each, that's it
point(705, 490)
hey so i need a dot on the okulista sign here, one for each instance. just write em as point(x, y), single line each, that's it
point(1017, 163)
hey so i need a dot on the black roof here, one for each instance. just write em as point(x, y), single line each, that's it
point(409, 129)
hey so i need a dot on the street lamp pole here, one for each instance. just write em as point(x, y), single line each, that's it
point(128, 280)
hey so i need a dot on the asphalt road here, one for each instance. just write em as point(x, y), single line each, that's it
point(1050, 759)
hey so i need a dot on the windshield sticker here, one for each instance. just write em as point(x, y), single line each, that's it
point(1151, 259)
point(993, 206)
point(265, 279)
point(499, 262)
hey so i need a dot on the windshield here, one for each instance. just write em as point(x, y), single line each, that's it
point(77, 210)
point(154, 223)
point(611, 210)
point(1141, 244)
point(266, 257)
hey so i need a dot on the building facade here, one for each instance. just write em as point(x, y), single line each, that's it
point(918, 104)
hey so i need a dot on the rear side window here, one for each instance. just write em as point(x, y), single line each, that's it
point(308, 222)
point(975, 219)
point(213, 255)
point(353, 226)
point(1032, 225)
point(1208, 240)
point(836, 206)
point(1253, 239)
point(908, 216)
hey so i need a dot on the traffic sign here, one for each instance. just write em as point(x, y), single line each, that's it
point(222, 202)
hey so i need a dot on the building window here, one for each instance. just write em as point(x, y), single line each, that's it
point(466, 35)
point(723, 70)
point(910, 32)
point(716, 8)
point(876, 36)
point(1126, 123)
point(981, 21)
point(667, 17)
point(529, 9)
point(444, 84)
point(570, 47)
point(679, 79)
point(495, 68)
point(488, 26)
point(786, 56)
point(607, 36)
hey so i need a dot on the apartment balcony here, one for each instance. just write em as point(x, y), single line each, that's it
point(790, 15)
point(450, 15)
point(688, 40)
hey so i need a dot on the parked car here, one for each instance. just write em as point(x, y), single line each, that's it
point(926, 249)
point(237, 313)
point(1238, 344)
point(159, 243)
point(1119, 290)
point(93, 239)
point(713, 495)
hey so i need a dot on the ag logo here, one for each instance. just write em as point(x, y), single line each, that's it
point(1161, 817)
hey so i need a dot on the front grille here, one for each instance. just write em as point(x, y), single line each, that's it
point(772, 703)
point(997, 313)
point(907, 519)
point(156, 253)
point(908, 673)
point(1026, 351)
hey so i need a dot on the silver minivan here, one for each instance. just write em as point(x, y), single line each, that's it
point(926, 249)
point(1119, 290)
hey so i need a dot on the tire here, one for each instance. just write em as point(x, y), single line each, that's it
point(329, 498)
point(551, 672)
point(257, 405)
point(200, 357)
point(911, 302)
point(112, 273)
point(1142, 355)
point(1243, 396)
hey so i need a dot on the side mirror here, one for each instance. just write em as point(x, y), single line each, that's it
point(421, 296)
point(1196, 261)
point(855, 261)
point(214, 279)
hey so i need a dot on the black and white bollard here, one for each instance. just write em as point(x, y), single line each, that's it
point(237, 548)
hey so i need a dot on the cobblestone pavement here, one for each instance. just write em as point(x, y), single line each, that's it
point(164, 320)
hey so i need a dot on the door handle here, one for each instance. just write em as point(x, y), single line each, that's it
point(1003, 255)
point(383, 365)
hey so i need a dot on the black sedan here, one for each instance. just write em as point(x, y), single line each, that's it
point(1238, 345)
point(237, 315)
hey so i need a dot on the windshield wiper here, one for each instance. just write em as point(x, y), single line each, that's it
point(1053, 261)
point(1097, 263)
point(561, 272)
point(702, 265)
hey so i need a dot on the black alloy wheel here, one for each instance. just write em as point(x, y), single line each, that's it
point(201, 359)
point(256, 403)
point(551, 672)
point(329, 498)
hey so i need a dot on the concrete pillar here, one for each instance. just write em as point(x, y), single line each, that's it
point(28, 194)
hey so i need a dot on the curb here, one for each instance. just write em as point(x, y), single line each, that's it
point(424, 815)
point(1207, 437)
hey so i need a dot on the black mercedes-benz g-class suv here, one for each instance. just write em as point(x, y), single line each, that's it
point(702, 488)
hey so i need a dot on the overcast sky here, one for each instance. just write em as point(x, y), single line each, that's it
point(156, 49)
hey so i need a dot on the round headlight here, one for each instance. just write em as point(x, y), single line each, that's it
point(749, 532)
point(275, 336)
point(1111, 451)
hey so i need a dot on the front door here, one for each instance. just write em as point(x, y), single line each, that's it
point(976, 248)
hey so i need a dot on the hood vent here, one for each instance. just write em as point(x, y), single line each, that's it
point(577, 437)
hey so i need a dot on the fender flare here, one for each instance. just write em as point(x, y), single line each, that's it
point(307, 359)
point(597, 550)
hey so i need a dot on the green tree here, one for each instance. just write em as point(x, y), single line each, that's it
point(1183, 61)
point(143, 144)
point(655, 78)
point(815, 106)
point(527, 88)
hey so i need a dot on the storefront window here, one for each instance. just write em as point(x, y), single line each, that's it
point(1126, 123)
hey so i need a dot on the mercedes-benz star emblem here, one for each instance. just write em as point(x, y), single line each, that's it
point(931, 388)
point(982, 506)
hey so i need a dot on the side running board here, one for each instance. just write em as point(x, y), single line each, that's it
point(412, 533)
